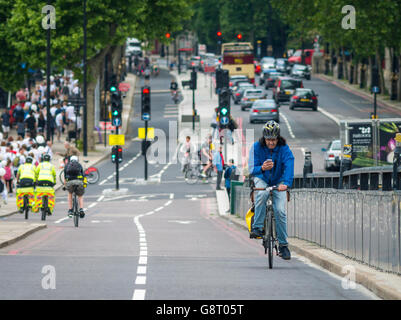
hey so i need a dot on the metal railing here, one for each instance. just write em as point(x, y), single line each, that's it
point(361, 225)
point(372, 178)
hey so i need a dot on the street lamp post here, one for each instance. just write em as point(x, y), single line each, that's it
point(48, 81)
point(85, 119)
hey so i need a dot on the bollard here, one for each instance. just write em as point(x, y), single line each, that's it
point(308, 167)
point(396, 162)
point(346, 163)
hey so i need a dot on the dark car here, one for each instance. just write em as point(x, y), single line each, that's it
point(300, 71)
point(264, 75)
point(233, 80)
point(304, 98)
point(238, 93)
point(285, 87)
point(271, 78)
point(282, 65)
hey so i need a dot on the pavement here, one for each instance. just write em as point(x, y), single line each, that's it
point(11, 232)
point(382, 100)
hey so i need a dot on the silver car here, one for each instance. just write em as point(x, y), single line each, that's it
point(264, 110)
point(250, 96)
point(332, 152)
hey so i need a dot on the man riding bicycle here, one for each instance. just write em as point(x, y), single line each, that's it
point(26, 177)
point(271, 163)
point(73, 182)
point(45, 181)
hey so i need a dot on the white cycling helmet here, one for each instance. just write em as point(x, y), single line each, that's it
point(40, 139)
point(74, 158)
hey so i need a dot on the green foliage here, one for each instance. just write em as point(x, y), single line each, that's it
point(109, 23)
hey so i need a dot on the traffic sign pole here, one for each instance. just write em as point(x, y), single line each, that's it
point(117, 166)
point(146, 149)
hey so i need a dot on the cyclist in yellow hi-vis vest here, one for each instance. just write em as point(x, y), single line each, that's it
point(45, 180)
point(45, 173)
point(26, 183)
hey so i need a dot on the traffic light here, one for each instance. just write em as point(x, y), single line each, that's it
point(145, 107)
point(219, 34)
point(168, 35)
point(113, 154)
point(193, 80)
point(116, 109)
point(119, 154)
point(222, 78)
point(224, 107)
point(239, 36)
point(113, 83)
point(116, 154)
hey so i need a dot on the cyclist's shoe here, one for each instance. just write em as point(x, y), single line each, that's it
point(70, 213)
point(203, 175)
point(256, 234)
point(81, 213)
point(284, 252)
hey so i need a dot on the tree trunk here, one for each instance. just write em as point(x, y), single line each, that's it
point(381, 73)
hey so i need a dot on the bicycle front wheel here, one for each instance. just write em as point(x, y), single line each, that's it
point(268, 238)
point(191, 177)
point(92, 174)
point(61, 177)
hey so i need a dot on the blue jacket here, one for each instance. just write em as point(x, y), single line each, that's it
point(283, 170)
point(217, 161)
point(227, 175)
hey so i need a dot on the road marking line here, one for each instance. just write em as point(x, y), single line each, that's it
point(171, 195)
point(143, 260)
point(329, 115)
point(143, 253)
point(289, 126)
point(140, 280)
point(92, 205)
point(158, 209)
point(100, 198)
point(139, 294)
point(141, 270)
point(168, 203)
point(61, 220)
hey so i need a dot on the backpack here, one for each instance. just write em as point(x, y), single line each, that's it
point(16, 162)
point(73, 169)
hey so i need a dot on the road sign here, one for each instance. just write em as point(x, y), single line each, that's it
point(150, 135)
point(116, 140)
point(117, 122)
point(146, 116)
point(124, 86)
point(376, 90)
point(224, 121)
point(109, 126)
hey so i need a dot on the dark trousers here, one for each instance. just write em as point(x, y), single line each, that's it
point(229, 192)
point(219, 177)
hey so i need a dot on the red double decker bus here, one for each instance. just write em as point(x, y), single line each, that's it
point(238, 59)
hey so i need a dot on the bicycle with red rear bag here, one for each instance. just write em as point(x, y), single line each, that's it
point(91, 173)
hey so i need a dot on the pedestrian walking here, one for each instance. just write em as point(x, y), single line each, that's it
point(9, 176)
point(229, 174)
point(5, 123)
point(218, 162)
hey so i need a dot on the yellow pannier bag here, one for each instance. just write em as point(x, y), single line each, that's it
point(249, 218)
point(21, 192)
point(40, 192)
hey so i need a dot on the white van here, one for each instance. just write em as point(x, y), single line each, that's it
point(133, 47)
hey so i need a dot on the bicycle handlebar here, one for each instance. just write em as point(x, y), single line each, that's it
point(266, 189)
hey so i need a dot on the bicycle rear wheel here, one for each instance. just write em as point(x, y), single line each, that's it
point(61, 177)
point(26, 207)
point(75, 209)
point(44, 208)
point(92, 174)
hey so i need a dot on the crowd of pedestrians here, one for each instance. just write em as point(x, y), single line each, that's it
point(28, 117)
point(29, 113)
